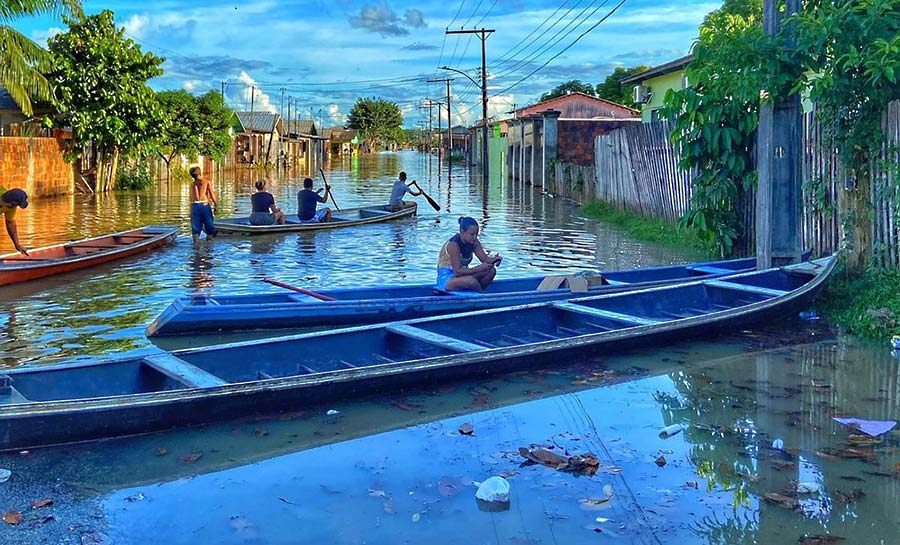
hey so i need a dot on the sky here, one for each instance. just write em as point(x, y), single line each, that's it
point(320, 56)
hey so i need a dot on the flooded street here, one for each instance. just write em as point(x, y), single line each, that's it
point(104, 310)
point(757, 457)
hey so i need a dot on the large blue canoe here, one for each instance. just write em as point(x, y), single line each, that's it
point(88, 400)
point(225, 313)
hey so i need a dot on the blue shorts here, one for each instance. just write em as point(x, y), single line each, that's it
point(317, 218)
point(444, 274)
point(202, 219)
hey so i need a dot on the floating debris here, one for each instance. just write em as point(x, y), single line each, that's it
point(583, 464)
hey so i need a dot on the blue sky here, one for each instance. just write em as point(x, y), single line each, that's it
point(326, 53)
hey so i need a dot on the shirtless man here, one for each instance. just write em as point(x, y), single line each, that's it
point(203, 206)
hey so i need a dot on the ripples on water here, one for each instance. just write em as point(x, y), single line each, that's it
point(103, 311)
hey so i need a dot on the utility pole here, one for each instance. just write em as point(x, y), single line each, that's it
point(780, 153)
point(449, 132)
point(483, 34)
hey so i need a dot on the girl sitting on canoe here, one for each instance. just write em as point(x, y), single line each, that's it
point(264, 210)
point(453, 271)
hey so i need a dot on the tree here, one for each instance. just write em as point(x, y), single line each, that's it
point(376, 119)
point(716, 118)
point(179, 131)
point(23, 63)
point(214, 125)
point(100, 80)
point(850, 55)
point(611, 89)
point(573, 86)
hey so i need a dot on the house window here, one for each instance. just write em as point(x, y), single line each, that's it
point(654, 115)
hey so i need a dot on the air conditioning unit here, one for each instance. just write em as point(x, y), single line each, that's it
point(642, 94)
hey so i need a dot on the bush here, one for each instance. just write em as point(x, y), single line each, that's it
point(134, 175)
point(867, 305)
point(180, 173)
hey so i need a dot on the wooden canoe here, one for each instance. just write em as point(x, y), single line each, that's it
point(225, 313)
point(87, 400)
point(71, 256)
point(347, 217)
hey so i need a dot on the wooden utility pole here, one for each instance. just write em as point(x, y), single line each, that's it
point(779, 159)
point(483, 34)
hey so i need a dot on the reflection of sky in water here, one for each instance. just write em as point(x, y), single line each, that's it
point(103, 311)
point(350, 479)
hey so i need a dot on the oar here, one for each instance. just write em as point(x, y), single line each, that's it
point(432, 202)
point(298, 290)
point(336, 207)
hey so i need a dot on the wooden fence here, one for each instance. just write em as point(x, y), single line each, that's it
point(637, 170)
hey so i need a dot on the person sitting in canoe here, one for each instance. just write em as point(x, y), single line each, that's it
point(307, 200)
point(264, 210)
point(453, 271)
point(399, 189)
point(9, 201)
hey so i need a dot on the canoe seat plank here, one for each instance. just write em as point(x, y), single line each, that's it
point(707, 269)
point(346, 364)
point(306, 368)
point(746, 288)
point(608, 314)
point(12, 396)
point(383, 359)
point(260, 375)
point(184, 372)
point(543, 335)
point(443, 341)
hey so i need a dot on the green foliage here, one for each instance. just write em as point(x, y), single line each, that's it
point(100, 80)
point(214, 125)
point(850, 53)
point(612, 89)
point(867, 305)
point(134, 175)
point(649, 230)
point(716, 118)
point(180, 128)
point(181, 173)
point(572, 86)
point(23, 63)
point(377, 120)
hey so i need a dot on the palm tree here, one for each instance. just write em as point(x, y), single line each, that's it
point(23, 63)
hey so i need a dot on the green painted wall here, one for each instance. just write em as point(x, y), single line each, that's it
point(658, 86)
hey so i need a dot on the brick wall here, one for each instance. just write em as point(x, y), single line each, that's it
point(36, 165)
point(576, 138)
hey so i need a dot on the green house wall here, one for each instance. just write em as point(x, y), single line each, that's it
point(658, 87)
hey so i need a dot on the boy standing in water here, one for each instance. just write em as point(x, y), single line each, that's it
point(203, 206)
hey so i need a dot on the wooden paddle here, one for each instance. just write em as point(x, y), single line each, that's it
point(432, 202)
point(336, 207)
point(298, 290)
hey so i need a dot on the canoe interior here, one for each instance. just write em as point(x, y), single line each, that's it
point(83, 247)
point(346, 215)
point(402, 342)
point(502, 286)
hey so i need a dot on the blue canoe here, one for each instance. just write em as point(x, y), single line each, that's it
point(225, 313)
point(79, 401)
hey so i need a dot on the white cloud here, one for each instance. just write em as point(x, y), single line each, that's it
point(260, 100)
point(135, 26)
point(43, 36)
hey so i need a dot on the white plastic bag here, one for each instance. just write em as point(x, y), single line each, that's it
point(669, 431)
point(493, 489)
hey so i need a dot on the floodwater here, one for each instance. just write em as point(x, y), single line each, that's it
point(396, 469)
point(103, 311)
point(757, 406)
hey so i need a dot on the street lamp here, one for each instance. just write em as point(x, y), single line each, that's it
point(484, 116)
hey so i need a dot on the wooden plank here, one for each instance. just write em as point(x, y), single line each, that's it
point(746, 288)
point(608, 314)
point(443, 341)
point(182, 371)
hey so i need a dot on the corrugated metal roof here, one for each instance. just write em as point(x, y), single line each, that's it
point(258, 121)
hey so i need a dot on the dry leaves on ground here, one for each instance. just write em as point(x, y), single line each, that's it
point(582, 464)
point(12, 517)
point(661, 461)
point(191, 458)
point(41, 503)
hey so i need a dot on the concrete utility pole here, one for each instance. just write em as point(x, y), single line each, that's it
point(449, 124)
point(780, 153)
point(483, 34)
